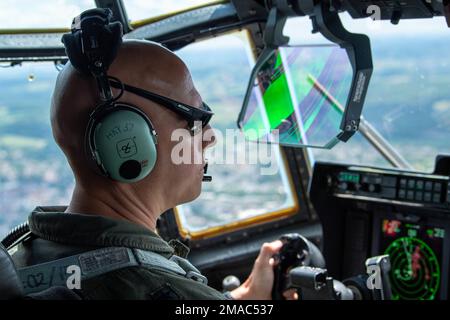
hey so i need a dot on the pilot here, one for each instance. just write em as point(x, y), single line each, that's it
point(105, 213)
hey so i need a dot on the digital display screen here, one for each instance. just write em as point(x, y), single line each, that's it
point(415, 251)
point(349, 177)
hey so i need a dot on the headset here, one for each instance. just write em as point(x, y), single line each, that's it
point(120, 140)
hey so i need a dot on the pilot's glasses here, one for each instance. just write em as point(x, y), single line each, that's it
point(189, 113)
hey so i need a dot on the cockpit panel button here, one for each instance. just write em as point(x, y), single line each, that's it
point(437, 198)
point(410, 195)
point(402, 183)
point(419, 196)
point(419, 184)
point(437, 186)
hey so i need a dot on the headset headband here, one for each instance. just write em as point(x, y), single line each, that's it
point(93, 44)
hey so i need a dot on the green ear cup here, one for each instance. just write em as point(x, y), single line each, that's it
point(125, 145)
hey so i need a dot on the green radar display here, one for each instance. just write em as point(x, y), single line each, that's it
point(416, 273)
point(415, 252)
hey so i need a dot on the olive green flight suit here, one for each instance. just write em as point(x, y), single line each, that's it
point(62, 234)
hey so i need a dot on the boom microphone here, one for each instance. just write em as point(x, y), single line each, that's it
point(206, 178)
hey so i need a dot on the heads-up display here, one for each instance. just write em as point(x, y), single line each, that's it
point(298, 96)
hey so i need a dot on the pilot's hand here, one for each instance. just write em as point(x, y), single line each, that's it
point(259, 284)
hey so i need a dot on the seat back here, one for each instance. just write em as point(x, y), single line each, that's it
point(10, 284)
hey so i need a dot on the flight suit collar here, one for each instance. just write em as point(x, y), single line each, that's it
point(52, 223)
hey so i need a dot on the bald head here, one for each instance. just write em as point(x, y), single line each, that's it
point(142, 64)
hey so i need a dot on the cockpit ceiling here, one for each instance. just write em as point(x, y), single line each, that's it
point(31, 44)
point(32, 14)
point(180, 27)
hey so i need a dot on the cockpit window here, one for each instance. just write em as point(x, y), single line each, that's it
point(408, 101)
point(41, 14)
point(240, 193)
point(59, 13)
point(251, 183)
point(33, 170)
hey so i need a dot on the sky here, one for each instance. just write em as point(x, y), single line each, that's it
point(59, 13)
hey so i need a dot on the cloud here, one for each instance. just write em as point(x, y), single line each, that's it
point(441, 113)
point(59, 13)
point(442, 106)
point(41, 14)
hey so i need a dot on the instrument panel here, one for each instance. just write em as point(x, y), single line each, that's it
point(368, 211)
point(413, 188)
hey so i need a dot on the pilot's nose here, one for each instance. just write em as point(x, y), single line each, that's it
point(209, 137)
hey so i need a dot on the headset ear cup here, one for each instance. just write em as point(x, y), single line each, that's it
point(124, 143)
point(93, 161)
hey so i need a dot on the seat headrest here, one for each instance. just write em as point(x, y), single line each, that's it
point(10, 284)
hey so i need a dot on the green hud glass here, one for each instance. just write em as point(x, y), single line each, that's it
point(308, 96)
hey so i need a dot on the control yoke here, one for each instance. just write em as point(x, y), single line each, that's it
point(300, 265)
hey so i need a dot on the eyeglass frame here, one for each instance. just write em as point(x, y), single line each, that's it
point(189, 113)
